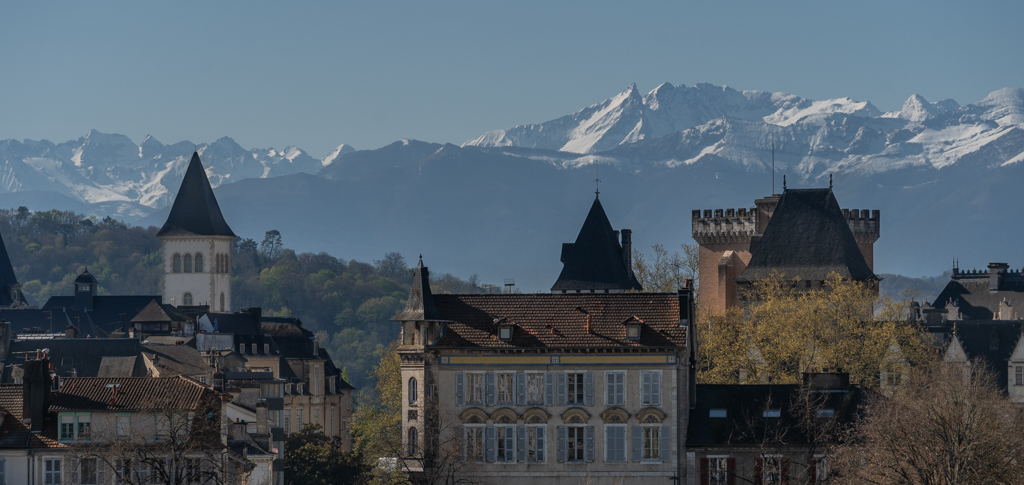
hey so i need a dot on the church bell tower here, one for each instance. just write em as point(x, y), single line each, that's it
point(196, 244)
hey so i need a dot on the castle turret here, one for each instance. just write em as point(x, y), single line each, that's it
point(196, 243)
point(597, 262)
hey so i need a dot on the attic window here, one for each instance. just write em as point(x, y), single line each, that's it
point(825, 413)
point(632, 325)
point(718, 413)
point(505, 333)
point(771, 413)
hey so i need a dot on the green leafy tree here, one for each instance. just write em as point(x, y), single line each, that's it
point(311, 458)
point(377, 422)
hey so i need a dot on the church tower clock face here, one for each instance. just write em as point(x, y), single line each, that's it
point(196, 244)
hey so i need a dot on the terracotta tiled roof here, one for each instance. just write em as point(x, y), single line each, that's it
point(132, 394)
point(560, 320)
point(14, 433)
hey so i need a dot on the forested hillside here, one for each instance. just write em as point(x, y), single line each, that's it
point(347, 303)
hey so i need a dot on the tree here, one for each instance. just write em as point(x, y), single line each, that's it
point(949, 424)
point(312, 458)
point(393, 266)
point(785, 331)
point(271, 246)
point(662, 272)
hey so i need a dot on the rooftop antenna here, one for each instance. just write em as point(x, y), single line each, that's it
point(829, 181)
point(783, 181)
point(597, 181)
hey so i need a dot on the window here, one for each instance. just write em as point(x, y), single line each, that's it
point(287, 423)
point(188, 263)
point(575, 387)
point(253, 349)
point(475, 382)
point(574, 443)
point(771, 470)
point(821, 469)
point(505, 333)
point(330, 430)
point(51, 471)
point(474, 443)
point(506, 443)
point(506, 388)
point(316, 416)
point(650, 392)
point(123, 424)
point(535, 388)
point(199, 262)
point(825, 413)
point(718, 413)
point(615, 443)
point(186, 299)
point(298, 419)
point(266, 347)
point(241, 348)
point(176, 263)
point(771, 413)
point(84, 426)
point(87, 471)
point(67, 427)
point(222, 301)
point(413, 441)
point(535, 444)
point(1019, 371)
point(718, 470)
point(615, 387)
point(651, 443)
point(413, 392)
point(633, 332)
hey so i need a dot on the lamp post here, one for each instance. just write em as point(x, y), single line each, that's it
point(675, 479)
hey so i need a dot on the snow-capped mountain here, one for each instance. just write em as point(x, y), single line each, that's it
point(682, 125)
point(110, 169)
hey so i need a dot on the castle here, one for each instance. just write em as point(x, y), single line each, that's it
point(801, 232)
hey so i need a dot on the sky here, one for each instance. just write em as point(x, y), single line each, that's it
point(318, 74)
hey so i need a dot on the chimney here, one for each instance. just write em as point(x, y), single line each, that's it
point(255, 310)
point(71, 331)
point(262, 418)
point(995, 275)
point(36, 394)
point(590, 324)
point(686, 303)
point(627, 250)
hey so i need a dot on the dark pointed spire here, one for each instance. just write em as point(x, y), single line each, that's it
point(420, 305)
point(8, 279)
point(195, 210)
point(596, 261)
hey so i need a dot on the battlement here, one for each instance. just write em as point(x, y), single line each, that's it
point(864, 223)
point(724, 225)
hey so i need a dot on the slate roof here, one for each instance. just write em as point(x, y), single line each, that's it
point(970, 293)
point(595, 261)
point(176, 359)
point(86, 278)
point(14, 433)
point(195, 210)
point(133, 394)
point(109, 313)
point(111, 366)
point(420, 305)
point(808, 237)
point(745, 423)
point(84, 355)
point(560, 320)
point(993, 341)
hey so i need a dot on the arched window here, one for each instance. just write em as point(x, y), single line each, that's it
point(176, 263)
point(188, 263)
point(227, 263)
point(199, 262)
point(186, 299)
point(222, 301)
point(413, 397)
point(413, 441)
point(220, 263)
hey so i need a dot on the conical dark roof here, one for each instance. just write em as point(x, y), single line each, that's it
point(808, 237)
point(86, 278)
point(7, 277)
point(595, 261)
point(420, 306)
point(195, 210)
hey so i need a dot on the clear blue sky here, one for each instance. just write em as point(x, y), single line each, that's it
point(317, 74)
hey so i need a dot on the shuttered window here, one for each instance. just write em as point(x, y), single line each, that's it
point(615, 388)
point(650, 388)
point(615, 443)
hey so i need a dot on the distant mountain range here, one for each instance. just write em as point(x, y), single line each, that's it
point(945, 176)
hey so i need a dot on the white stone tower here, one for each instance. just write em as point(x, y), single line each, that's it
point(196, 244)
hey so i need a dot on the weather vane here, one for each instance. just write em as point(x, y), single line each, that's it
point(597, 181)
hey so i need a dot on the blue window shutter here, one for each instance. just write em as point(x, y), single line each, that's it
point(562, 400)
point(510, 444)
point(490, 383)
point(588, 389)
point(549, 388)
point(609, 388)
point(460, 389)
point(638, 443)
point(655, 388)
point(522, 435)
point(620, 391)
point(563, 436)
point(665, 443)
point(490, 444)
point(462, 445)
point(588, 442)
point(645, 389)
point(521, 388)
point(541, 443)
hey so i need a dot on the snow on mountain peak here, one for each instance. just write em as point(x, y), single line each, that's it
point(337, 152)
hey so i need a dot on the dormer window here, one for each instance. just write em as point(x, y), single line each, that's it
point(633, 325)
point(505, 333)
